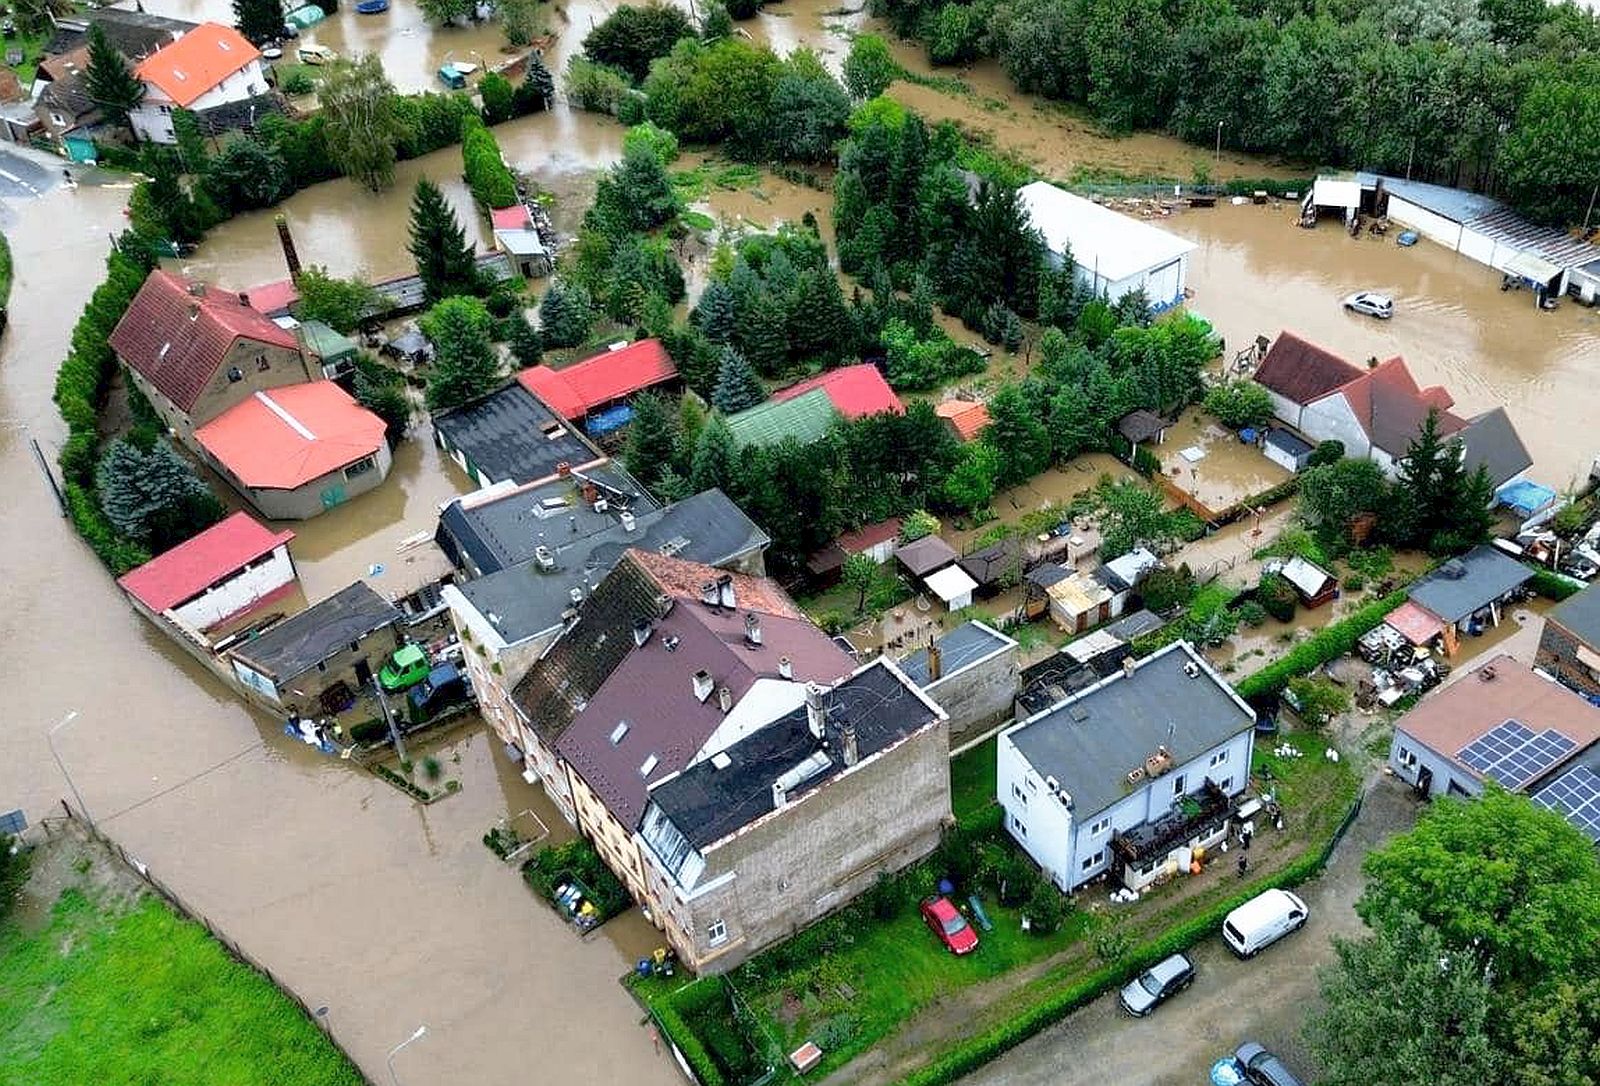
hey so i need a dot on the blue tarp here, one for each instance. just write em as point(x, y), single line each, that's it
point(1525, 497)
point(609, 420)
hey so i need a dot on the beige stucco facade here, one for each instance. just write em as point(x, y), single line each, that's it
point(259, 366)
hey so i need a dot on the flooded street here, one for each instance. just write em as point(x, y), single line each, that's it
point(395, 915)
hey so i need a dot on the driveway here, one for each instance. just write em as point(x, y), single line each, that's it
point(1264, 999)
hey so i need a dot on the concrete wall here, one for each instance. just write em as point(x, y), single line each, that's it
point(313, 498)
point(374, 649)
point(1409, 757)
point(784, 871)
point(240, 592)
point(979, 695)
point(1558, 654)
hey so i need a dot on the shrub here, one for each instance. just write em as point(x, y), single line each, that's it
point(485, 169)
point(1167, 588)
point(549, 867)
point(1277, 596)
point(885, 898)
point(594, 87)
point(369, 731)
point(1326, 644)
point(1252, 613)
point(1046, 908)
point(298, 81)
point(1552, 585)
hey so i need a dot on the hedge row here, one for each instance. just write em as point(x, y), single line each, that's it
point(1326, 644)
point(668, 1013)
point(1553, 586)
point(485, 168)
point(989, 1045)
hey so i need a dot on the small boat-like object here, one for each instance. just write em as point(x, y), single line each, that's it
point(372, 7)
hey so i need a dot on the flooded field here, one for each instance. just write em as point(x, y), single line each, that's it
point(1225, 472)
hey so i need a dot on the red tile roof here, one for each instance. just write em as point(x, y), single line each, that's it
point(578, 389)
point(273, 297)
point(1413, 623)
point(857, 391)
point(1391, 407)
point(1302, 372)
point(966, 417)
point(869, 536)
point(197, 62)
point(286, 437)
point(194, 565)
point(177, 339)
point(515, 217)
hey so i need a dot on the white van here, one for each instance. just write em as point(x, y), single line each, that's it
point(1262, 921)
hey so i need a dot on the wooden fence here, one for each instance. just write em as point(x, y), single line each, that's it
point(52, 826)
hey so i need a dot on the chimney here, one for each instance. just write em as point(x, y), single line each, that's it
point(852, 753)
point(778, 796)
point(725, 699)
point(1127, 667)
point(752, 629)
point(725, 590)
point(244, 299)
point(786, 667)
point(816, 715)
point(627, 520)
point(935, 662)
point(285, 239)
point(703, 685)
point(709, 594)
point(641, 632)
point(197, 290)
point(563, 469)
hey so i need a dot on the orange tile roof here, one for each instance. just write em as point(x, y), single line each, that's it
point(580, 388)
point(197, 62)
point(285, 437)
point(967, 417)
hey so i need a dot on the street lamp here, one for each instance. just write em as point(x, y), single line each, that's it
point(50, 738)
point(395, 1051)
point(1218, 157)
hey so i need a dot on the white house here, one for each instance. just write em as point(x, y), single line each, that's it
point(228, 571)
point(210, 66)
point(1113, 254)
point(1129, 775)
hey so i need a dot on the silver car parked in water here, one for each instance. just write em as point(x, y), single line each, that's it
point(1371, 303)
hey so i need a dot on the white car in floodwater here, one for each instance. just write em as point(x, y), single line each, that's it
point(1371, 303)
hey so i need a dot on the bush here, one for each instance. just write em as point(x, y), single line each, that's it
point(1277, 596)
point(1166, 589)
point(885, 898)
point(499, 98)
point(1252, 613)
point(369, 731)
point(297, 81)
point(1552, 585)
point(485, 169)
point(594, 87)
point(1238, 404)
point(549, 867)
point(1046, 909)
point(1326, 644)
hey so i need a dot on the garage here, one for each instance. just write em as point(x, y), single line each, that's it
point(1113, 254)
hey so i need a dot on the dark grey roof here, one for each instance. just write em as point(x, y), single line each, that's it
point(134, 34)
point(925, 555)
point(69, 97)
point(524, 599)
point(1052, 679)
point(511, 434)
point(1492, 441)
point(1048, 573)
point(1141, 425)
point(1579, 614)
point(993, 563)
point(496, 534)
point(1134, 625)
point(706, 803)
point(301, 642)
point(1091, 742)
point(1289, 443)
point(1469, 583)
point(966, 644)
point(242, 115)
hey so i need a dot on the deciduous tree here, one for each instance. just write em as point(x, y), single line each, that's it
point(631, 37)
point(464, 363)
point(1237, 404)
point(341, 304)
point(970, 485)
point(259, 21)
point(519, 20)
point(358, 107)
point(859, 572)
point(869, 67)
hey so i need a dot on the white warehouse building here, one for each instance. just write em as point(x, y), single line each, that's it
point(1129, 776)
point(1113, 253)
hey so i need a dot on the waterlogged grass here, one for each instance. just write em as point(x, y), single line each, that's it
point(134, 994)
point(693, 185)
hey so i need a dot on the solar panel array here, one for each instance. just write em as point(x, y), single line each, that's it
point(1513, 755)
point(1575, 795)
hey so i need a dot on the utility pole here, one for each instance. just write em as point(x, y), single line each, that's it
point(50, 738)
point(1217, 158)
point(388, 718)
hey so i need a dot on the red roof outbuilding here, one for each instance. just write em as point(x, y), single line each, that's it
point(191, 567)
point(857, 391)
point(285, 437)
point(966, 417)
point(176, 334)
point(578, 389)
point(515, 217)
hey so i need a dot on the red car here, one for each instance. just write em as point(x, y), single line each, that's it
point(949, 925)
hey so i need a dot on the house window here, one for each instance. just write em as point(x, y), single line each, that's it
point(717, 933)
point(58, 120)
point(1408, 757)
point(1226, 784)
point(1091, 862)
point(1022, 797)
point(1219, 757)
point(1016, 824)
point(165, 109)
point(360, 467)
point(1033, 785)
point(1100, 827)
point(1177, 785)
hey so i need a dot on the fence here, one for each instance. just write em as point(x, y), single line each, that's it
point(182, 908)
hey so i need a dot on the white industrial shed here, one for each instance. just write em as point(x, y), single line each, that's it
point(1113, 254)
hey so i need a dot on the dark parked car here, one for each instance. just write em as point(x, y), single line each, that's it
point(949, 925)
point(1262, 1068)
point(444, 686)
point(1151, 988)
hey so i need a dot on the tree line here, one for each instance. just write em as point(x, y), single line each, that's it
point(1497, 95)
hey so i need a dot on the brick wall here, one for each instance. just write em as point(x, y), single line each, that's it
point(1558, 654)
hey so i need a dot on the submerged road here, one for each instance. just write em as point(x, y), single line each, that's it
point(1264, 999)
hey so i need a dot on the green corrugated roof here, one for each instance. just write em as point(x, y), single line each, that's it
point(327, 344)
point(804, 418)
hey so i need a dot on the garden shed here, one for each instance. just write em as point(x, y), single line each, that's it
point(1112, 253)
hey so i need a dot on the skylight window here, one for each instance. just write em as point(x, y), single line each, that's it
point(649, 764)
point(618, 732)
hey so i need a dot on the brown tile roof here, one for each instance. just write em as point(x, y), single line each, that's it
point(967, 418)
point(1302, 372)
point(1470, 707)
point(1391, 407)
point(176, 339)
point(595, 677)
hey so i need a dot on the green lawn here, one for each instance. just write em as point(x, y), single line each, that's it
point(972, 777)
point(138, 995)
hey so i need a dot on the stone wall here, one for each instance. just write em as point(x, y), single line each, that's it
point(1558, 654)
